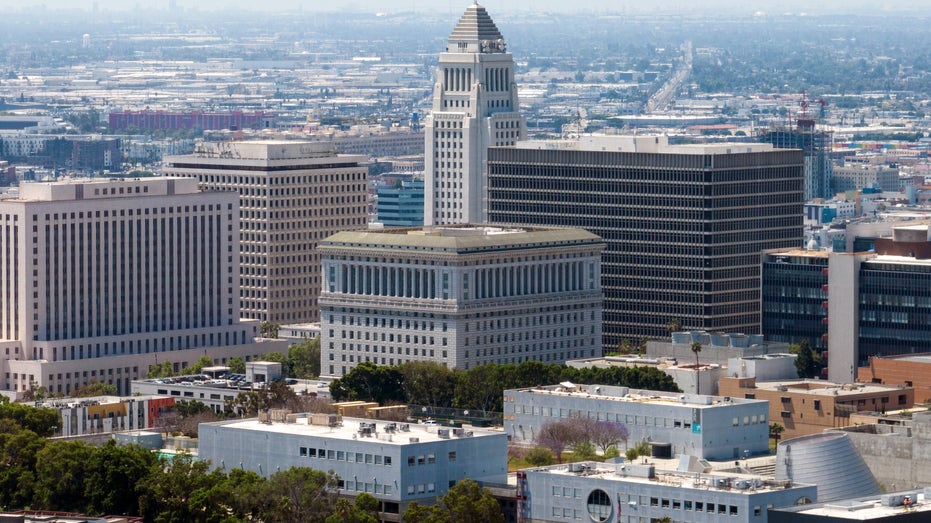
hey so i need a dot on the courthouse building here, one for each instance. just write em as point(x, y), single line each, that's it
point(459, 295)
point(99, 279)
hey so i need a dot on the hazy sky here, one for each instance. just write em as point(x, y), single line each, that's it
point(388, 6)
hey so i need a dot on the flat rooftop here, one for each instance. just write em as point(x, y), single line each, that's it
point(657, 144)
point(385, 432)
point(625, 395)
point(924, 358)
point(458, 239)
point(731, 481)
point(825, 388)
point(867, 508)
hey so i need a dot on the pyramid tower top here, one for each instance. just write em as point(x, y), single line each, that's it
point(476, 33)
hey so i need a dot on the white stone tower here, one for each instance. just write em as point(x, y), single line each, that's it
point(475, 106)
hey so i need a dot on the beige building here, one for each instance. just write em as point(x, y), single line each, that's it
point(806, 407)
point(460, 296)
point(291, 196)
point(103, 278)
point(475, 106)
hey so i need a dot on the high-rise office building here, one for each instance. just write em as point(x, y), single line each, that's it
point(401, 206)
point(291, 195)
point(460, 296)
point(874, 303)
point(684, 224)
point(475, 106)
point(816, 146)
point(103, 278)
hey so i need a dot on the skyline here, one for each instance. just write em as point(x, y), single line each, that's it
point(387, 7)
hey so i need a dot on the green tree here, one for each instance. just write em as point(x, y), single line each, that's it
point(540, 457)
point(268, 329)
point(674, 325)
point(17, 464)
point(61, 467)
point(696, 349)
point(164, 369)
point(363, 510)
point(304, 359)
point(198, 366)
point(113, 472)
point(44, 422)
point(175, 491)
point(95, 388)
point(467, 501)
point(428, 383)
point(237, 365)
point(807, 361)
point(298, 495)
point(775, 431)
point(369, 382)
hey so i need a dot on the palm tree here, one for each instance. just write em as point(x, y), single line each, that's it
point(696, 348)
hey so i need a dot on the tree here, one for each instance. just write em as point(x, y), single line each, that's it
point(674, 325)
point(113, 472)
point(60, 472)
point(369, 382)
point(43, 421)
point(268, 329)
point(203, 361)
point(304, 359)
point(298, 495)
point(775, 431)
point(237, 365)
point(363, 510)
point(558, 435)
point(95, 388)
point(696, 349)
point(428, 383)
point(606, 434)
point(467, 501)
point(807, 362)
point(539, 457)
point(175, 491)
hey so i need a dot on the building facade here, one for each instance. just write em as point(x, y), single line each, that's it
point(872, 303)
point(697, 425)
point(291, 196)
point(396, 462)
point(684, 225)
point(475, 106)
point(794, 293)
point(851, 177)
point(636, 493)
point(460, 296)
point(401, 206)
point(806, 407)
point(103, 277)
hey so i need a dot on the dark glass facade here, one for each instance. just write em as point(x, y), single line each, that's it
point(793, 298)
point(895, 308)
point(684, 232)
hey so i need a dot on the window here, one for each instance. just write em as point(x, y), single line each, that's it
point(599, 505)
point(817, 404)
point(303, 452)
point(452, 455)
point(410, 461)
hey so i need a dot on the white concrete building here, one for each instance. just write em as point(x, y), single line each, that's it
point(475, 106)
point(461, 296)
point(395, 462)
point(101, 278)
point(291, 196)
point(704, 426)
